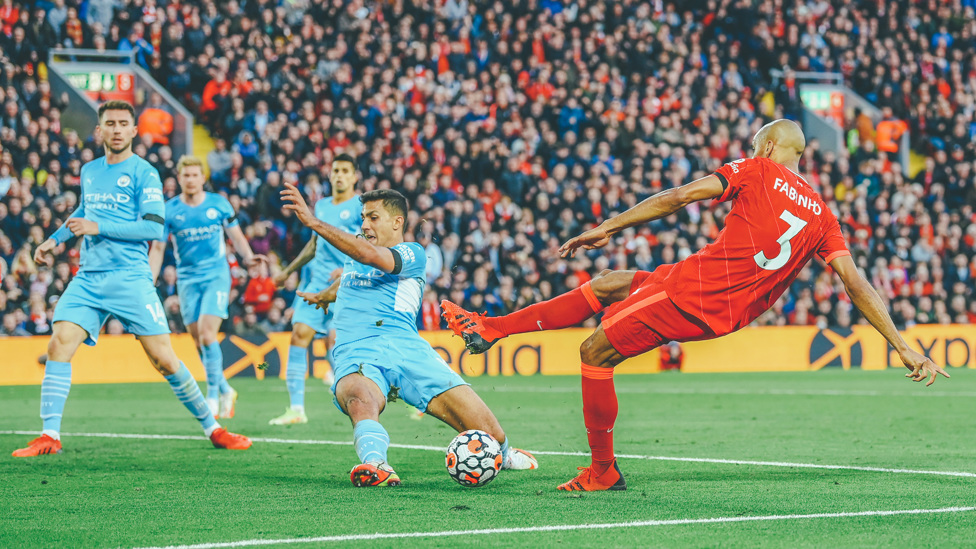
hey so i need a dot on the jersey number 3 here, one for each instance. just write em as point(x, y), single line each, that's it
point(785, 249)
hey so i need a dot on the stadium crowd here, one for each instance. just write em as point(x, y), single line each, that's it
point(511, 126)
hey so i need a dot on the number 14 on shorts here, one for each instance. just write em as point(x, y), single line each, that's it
point(156, 310)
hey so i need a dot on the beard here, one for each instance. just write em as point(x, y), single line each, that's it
point(120, 150)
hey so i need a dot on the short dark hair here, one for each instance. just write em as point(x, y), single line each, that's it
point(116, 105)
point(393, 201)
point(345, 157)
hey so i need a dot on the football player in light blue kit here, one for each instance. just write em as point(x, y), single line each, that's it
point(120, 210)
point(324, 262)
point(379, 354)
point(197, 220)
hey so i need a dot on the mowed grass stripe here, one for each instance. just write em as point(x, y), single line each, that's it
point(563, 528)
point(537, 452)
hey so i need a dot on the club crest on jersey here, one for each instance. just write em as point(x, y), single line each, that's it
point(344, 215)
point(124, 181)
point(212, 213)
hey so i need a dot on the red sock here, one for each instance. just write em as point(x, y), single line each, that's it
point(562, 311)
point(599, 414)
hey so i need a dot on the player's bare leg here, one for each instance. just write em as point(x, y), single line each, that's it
point(598, 358)
point(159, 350)
point(462, 408)
point(295, 372)
point(363, 401)
point(221, 397)
point(480, 332)
point(65, 340)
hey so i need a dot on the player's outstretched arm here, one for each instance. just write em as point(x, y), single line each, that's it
point(243, 248)
point(867, 300)
point(356, 248)
point(156, 252)
point(306, 255)
point(660, 205)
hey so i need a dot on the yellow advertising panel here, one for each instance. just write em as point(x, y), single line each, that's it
point(120, 359)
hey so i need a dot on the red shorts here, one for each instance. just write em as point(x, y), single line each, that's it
point(648, 318)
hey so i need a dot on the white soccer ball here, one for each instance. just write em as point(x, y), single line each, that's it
point(474, 458)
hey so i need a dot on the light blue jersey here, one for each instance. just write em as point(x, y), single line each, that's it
point(126, 192)
point(126, 200)
point(372, 302)
point(202, 272)
point(346, 217)
point(376, 330)
point(198, 235)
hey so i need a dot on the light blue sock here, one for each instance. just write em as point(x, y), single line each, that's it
point(295, 375)
point(213, 361)
point(505, 449)
point(54, 393)
point(371, 441)
point(213, 385)
point(188, 392)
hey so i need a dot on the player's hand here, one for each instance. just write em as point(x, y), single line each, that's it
point(258, 259)
point(590, 240)
point(81, 226)
point(296, 203)
point(921, 367)
point(42, 255)
point(321, 300)
point(335, 274)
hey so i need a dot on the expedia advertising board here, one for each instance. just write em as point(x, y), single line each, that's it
point(120, 359)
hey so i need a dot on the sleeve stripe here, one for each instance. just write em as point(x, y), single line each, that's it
point(835, 255)
point(154, 217)
point(725, 182)
point(397, 262)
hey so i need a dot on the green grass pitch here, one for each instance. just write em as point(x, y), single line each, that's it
point(116, 492)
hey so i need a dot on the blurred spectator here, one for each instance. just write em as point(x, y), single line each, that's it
point(512, 126)
point(156, 121)
point(250, 328)
point(260, 290)
point(671, 356)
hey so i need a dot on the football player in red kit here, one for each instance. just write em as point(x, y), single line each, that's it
point(776, 225)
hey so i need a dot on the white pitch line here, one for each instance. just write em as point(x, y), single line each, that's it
point(767, 392)
point(562, 528)
point(538, 452)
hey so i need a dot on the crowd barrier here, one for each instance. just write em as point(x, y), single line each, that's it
point(120, 359)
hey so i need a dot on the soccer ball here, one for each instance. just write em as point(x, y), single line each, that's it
point(474, 458)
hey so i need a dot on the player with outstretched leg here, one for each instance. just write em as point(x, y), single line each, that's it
point(379, 354)
point(776, 225)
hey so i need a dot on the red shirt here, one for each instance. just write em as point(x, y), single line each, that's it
point(259, 293)
point(776, 224)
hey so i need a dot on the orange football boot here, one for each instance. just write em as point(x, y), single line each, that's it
point(222, 438)
point(477, 337)
point(374, 474)
point(589, 481)
point(40, 446)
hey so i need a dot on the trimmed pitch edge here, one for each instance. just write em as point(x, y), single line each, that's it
point(537, 452)
point(563, 528)
point(740, 392)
